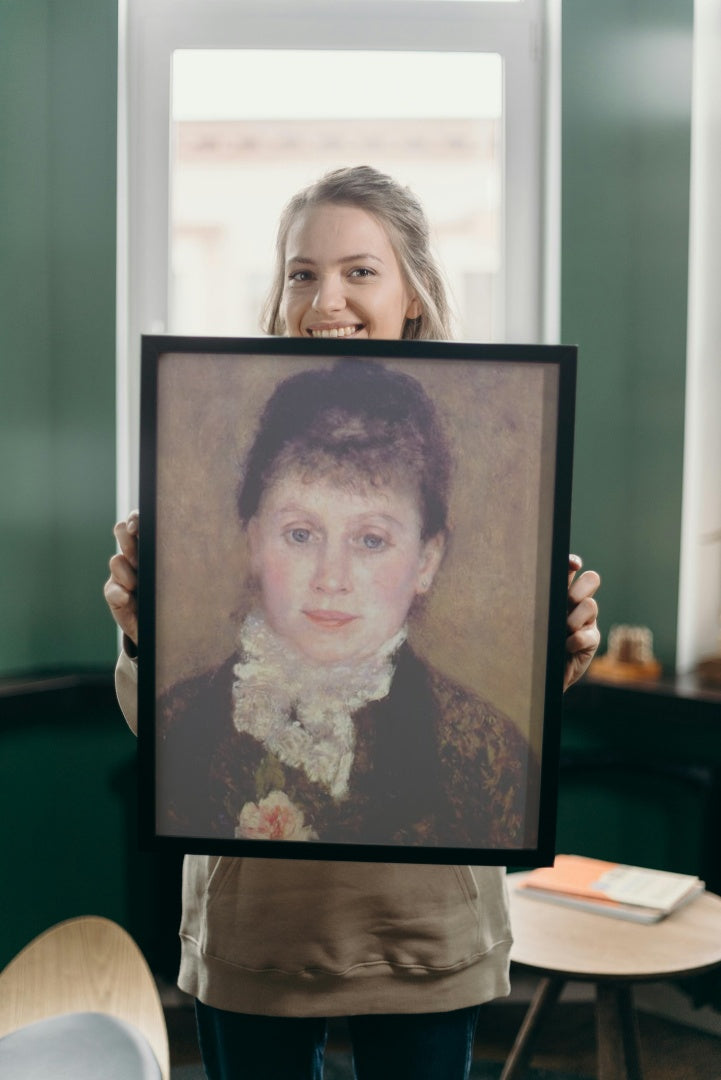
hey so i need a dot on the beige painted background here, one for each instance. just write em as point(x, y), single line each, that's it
point(479, 625)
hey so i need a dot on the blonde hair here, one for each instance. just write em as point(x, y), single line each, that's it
point(403, 217)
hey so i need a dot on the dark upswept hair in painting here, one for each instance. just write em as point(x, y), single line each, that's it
point(354, 422)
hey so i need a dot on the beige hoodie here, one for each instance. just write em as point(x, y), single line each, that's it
point(305, 937)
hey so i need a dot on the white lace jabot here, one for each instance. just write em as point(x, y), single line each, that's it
point(302, 711)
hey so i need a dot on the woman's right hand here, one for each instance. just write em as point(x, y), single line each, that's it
point(121, 587)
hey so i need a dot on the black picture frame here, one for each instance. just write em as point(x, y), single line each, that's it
point(489, 638)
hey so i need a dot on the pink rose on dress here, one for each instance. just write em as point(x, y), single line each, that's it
point(273, 818)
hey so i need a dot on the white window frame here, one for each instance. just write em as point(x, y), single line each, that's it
point(526, 34)
point(699, 597)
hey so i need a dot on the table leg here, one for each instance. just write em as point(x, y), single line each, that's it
point(617, 1033)
point(545, 997)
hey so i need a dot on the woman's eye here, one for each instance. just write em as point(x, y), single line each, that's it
point(300, 276)
point(362, 272)
point(300, 536)
point(373, 542)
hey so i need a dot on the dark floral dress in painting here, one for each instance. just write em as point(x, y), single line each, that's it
point(432, 764)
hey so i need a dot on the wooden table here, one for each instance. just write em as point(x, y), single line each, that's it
point(563, 944)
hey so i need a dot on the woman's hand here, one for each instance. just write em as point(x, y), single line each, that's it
point(583, 635)
point(121, 587)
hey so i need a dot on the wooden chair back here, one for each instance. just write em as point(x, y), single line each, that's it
point(87, 964)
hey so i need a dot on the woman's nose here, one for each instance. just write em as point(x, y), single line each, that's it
point(329, 296)
point(332, 570)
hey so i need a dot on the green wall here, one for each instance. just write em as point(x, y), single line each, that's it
point(58, 72)
point(67, 772)
point(625, 200)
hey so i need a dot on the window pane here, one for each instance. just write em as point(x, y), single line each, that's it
point(454, 1)
point(252, 127)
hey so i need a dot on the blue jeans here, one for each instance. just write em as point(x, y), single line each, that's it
point(415, 1046)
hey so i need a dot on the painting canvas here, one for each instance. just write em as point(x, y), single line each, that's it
point(352, 597)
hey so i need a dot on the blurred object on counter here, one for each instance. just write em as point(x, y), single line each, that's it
point(629, 657)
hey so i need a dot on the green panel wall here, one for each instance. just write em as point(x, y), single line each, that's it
point(68, 798)
point(67, 770)
point(625, 199)
point(58, 75)
point(26, 489)
point(641, 779)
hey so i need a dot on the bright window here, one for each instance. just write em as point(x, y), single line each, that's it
point(236, 160)
point(227, 107)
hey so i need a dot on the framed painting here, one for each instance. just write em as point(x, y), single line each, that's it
point(352, 597)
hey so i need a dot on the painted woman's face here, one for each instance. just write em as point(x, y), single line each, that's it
point(342, 277)
point(338, 569)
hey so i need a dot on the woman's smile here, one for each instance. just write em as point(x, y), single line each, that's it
point(335, 331)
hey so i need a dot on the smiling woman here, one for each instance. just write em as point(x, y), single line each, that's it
point(270, 745)
point(353, 259)
point(336, 294)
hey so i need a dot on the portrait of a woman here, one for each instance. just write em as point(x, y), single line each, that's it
point(324, 725)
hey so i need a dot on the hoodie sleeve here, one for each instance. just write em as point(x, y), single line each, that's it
point(126, 688)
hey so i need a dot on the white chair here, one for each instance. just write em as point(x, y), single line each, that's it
point(80, 1002)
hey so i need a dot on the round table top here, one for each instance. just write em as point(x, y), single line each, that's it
point(559, 940)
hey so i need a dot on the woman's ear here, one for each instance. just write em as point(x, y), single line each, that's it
point(415, 309)
point(431, 558)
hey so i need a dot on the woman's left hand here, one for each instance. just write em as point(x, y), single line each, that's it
point(583, 635)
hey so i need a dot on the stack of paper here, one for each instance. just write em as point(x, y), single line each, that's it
point(608, 888)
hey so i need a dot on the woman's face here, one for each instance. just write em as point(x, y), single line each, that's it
point(342, 277)
point(338, 569)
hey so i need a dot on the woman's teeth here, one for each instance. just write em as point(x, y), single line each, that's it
point(337, 331)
